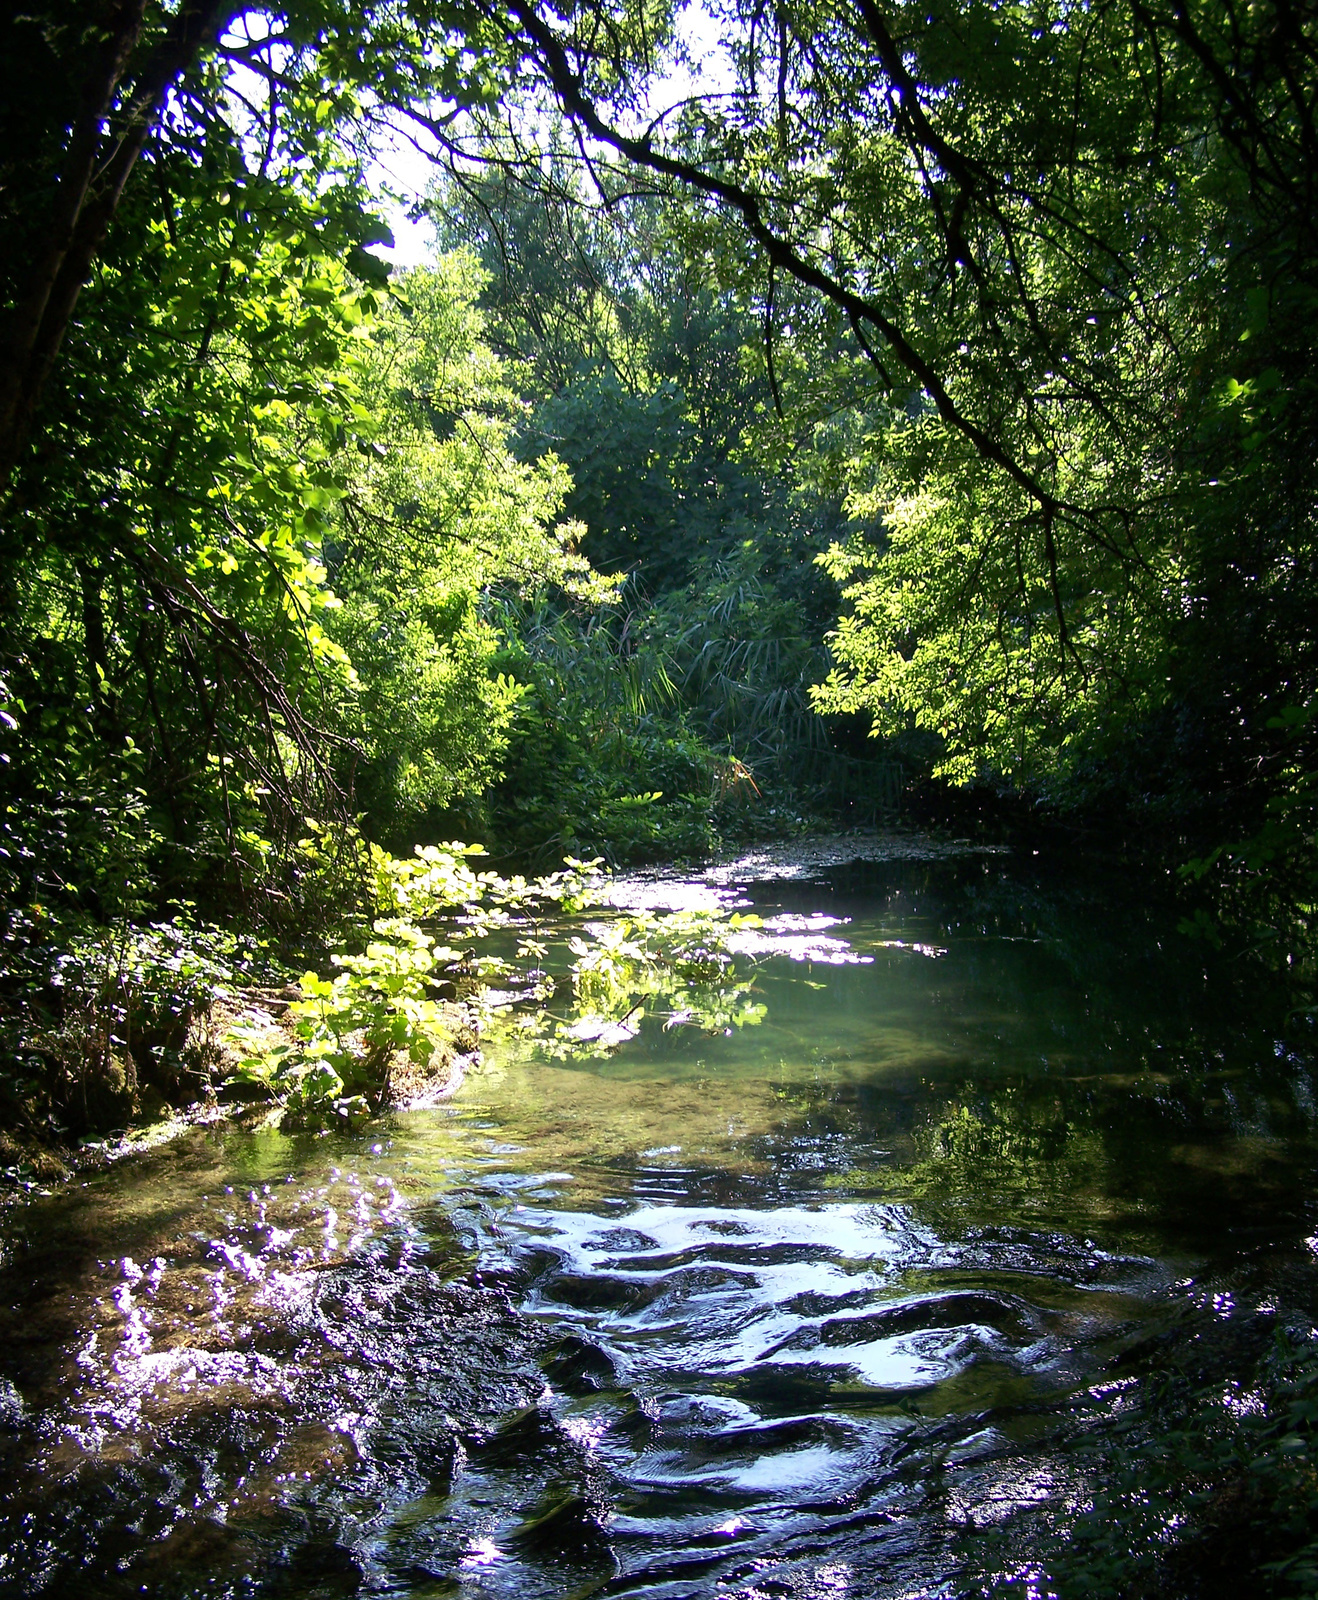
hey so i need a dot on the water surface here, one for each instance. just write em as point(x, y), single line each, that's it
point(809, 1300)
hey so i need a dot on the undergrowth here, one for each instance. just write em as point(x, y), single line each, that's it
point(112, 1023)
point(1199, 1489)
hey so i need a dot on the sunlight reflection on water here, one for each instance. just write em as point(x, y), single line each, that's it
point(806, 1300)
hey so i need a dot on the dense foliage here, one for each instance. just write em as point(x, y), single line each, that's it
point(937, 373)
point(923, 393)
point(1062, 267)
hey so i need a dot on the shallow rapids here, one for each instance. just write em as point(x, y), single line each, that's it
point(792, 1311)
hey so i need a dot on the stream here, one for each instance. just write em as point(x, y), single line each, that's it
point(785, 1311)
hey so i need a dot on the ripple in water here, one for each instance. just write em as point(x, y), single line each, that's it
point(774, 1315)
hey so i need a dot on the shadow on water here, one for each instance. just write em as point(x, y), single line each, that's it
point(776, 1313)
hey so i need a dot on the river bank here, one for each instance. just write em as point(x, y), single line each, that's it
point(147, 1039)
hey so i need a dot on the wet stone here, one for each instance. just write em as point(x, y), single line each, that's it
point(579, 1367)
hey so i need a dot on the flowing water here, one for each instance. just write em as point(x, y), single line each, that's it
point(806, 1301)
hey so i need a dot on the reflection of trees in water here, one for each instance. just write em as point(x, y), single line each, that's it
point(1169, 1159)
point(1101, 938)
point(1071, 1060)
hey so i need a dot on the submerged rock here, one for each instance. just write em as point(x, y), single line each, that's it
point(264, 1450)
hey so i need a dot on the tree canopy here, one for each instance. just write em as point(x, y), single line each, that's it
point(1074, 253)
point(968, 345)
